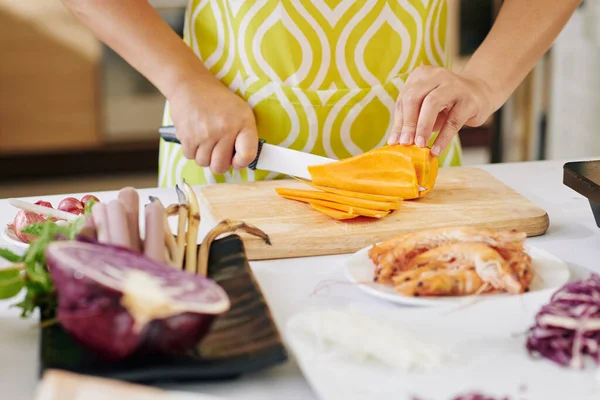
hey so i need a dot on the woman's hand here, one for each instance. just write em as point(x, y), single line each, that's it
point(435, 99)
point(209, 118)
point(211, 121)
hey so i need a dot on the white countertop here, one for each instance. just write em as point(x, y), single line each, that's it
point(289, 285)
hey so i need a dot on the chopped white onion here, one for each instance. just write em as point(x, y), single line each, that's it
point(364, 337)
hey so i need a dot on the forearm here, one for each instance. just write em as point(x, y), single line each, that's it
point(524, 30)
point(134, 30)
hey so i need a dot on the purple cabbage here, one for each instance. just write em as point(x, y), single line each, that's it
point(477, 396)
point(567, 329)
point(115, 301)
point(471, 396)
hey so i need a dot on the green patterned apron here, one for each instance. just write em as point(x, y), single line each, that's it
point(322, 76)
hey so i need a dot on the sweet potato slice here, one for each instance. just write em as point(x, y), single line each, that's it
point(395, 171)
point(351, 201)
point(385, 173)
point(356, 195)
point(330, 212)
point(365, 212)
point(426, 165)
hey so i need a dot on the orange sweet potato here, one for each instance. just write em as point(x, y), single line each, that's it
point(350, 201)
point(356, 195)
point(365, 212)
point(333, 213)
point(426, 165)
point(395, 171)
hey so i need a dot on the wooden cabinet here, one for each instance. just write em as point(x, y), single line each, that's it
point(48, 79)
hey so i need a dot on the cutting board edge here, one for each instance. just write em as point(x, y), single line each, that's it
point(256, 250)
point(207, 210)
point(544, 224)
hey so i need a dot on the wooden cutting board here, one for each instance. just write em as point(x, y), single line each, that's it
point(462, 196)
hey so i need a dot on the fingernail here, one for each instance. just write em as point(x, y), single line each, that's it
point(420, 141)
point(393, 139)
point(405, 138)
point(436, 150)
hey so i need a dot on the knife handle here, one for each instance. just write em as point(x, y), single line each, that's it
point(169, 134)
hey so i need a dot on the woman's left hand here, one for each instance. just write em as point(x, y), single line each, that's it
point(435, 99)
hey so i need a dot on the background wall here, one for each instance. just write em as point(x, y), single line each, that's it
point(574, 110)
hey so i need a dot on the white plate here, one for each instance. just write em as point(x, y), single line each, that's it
point(550, 273)
point(10, 238)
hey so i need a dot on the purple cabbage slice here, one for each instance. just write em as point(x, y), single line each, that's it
point(115, 301)
point(567, 329)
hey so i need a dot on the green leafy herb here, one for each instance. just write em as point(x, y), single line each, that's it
point(75, 226)
point(52, 229)
point(33, 229)
point(88, 206)
point(11, 282)
point(10, 256)
point(32, 273)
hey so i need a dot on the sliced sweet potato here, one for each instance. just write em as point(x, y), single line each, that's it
point(333, 213)
point(426, 165)
point(386, 173)
point(395, 171)
point(351, 201)
point(365, 212)
point(348, 193)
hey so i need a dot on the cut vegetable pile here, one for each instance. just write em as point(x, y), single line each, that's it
point(567, 330)
point(114, 291)
point(372, 184)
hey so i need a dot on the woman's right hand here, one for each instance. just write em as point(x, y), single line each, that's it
point(211, 121)
point(209, 118)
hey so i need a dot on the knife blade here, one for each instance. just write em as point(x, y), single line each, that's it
point(271, 157)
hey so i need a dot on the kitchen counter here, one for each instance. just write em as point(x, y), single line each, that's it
point(289, 285)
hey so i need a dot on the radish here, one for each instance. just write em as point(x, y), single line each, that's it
point(116, 301)
point(43, 203)
point(23, 219)
point(71, 205)
point(85, 199)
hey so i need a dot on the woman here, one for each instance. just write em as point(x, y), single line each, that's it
point(334, 78)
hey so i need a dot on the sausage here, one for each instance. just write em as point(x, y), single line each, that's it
point(101, 221)
point(154, 241)
point(117, 224)
point(131, 202)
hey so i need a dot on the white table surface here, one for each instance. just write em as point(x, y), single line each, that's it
point(290, 284)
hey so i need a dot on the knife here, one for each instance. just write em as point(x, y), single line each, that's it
point(272, 158)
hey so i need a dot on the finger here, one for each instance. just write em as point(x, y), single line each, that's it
point(246, 147)
point(442, 98)
point(412, 99)
point(188, 147)
point(222, 154)
point(440, 121)
point(456, 119)
point(203, 154)
point(394, 137)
